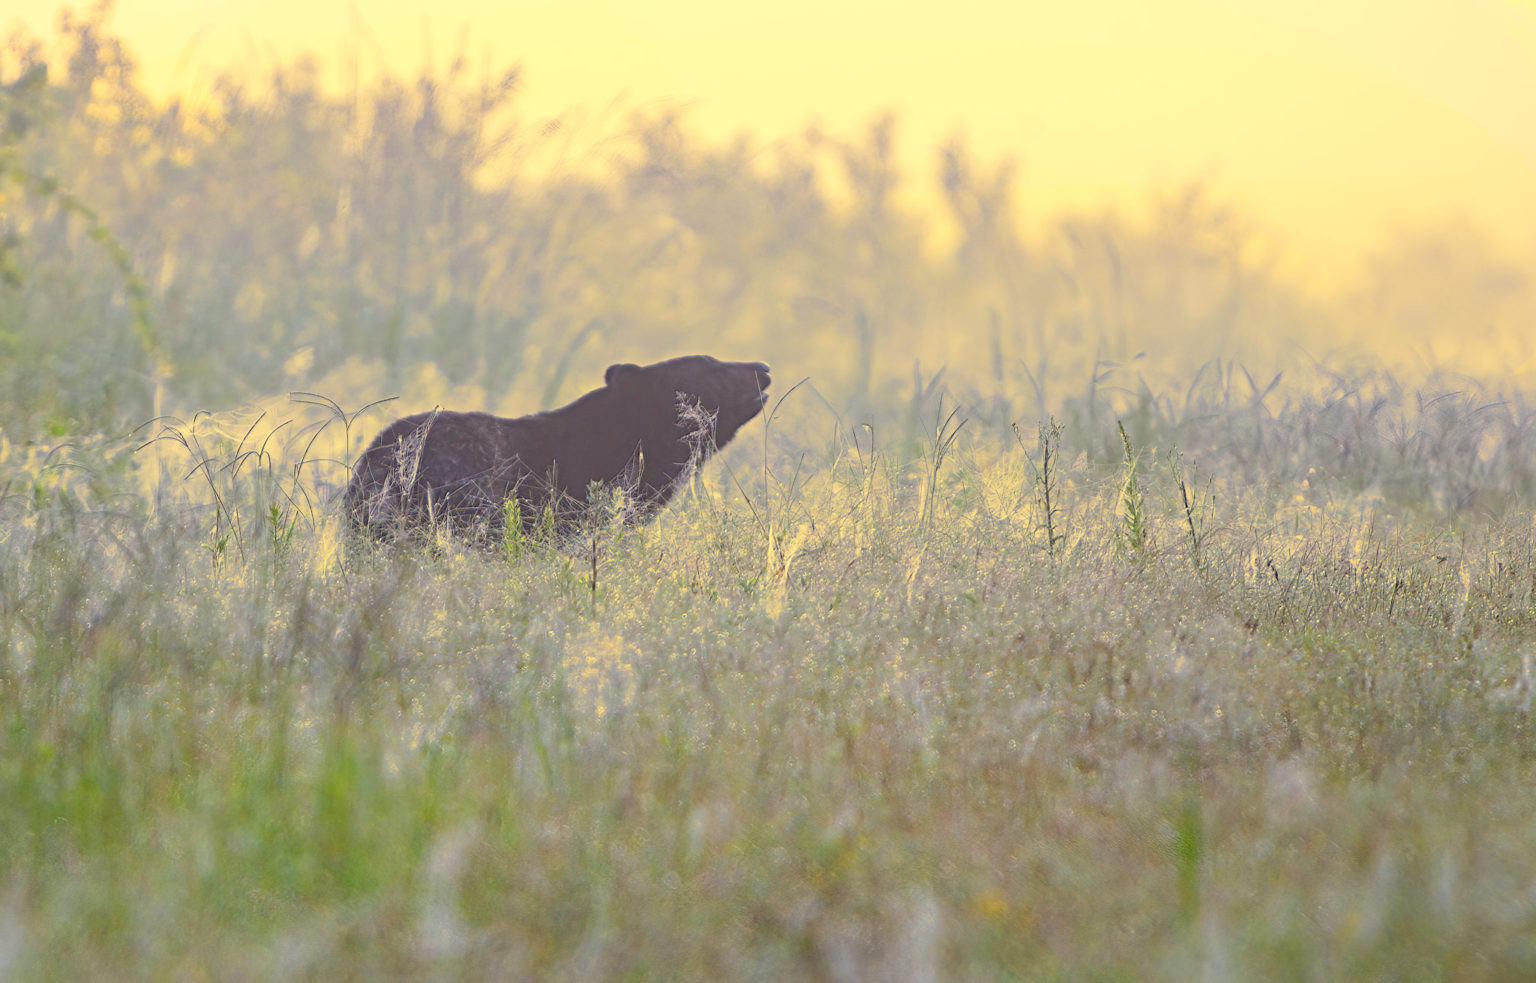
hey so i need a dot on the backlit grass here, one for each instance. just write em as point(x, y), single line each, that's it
point(800, 732)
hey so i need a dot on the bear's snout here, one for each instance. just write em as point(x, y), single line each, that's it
point(764, 380)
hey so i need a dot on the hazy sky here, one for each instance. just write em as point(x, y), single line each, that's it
point(1331, 122)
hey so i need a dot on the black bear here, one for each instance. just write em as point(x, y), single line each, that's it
point(641, 432)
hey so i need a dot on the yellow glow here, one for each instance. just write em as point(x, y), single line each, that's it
point(1331, 124)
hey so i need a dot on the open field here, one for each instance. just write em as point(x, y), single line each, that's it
point(865, 723)
point(1095, 655)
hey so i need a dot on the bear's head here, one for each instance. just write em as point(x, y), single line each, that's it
point(729, 393)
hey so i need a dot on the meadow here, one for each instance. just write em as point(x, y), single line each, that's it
point(1073, 612)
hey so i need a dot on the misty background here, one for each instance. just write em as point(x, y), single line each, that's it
point(424, 238)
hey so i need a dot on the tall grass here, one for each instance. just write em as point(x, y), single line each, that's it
point(1295, 743)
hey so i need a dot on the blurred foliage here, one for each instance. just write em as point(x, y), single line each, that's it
point(429, 240)
point(286, 235)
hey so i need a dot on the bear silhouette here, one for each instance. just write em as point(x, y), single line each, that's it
point(641, 433)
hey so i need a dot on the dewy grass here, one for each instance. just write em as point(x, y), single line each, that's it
point(1046, 480)
point(1302, 749)
point(1134, 534)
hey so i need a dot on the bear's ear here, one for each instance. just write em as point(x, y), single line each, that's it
point(618, 373)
